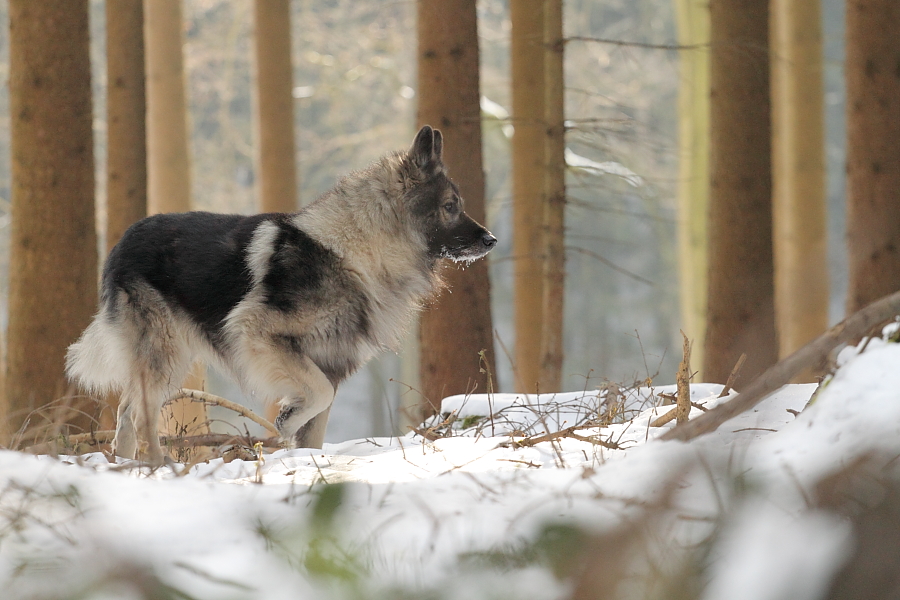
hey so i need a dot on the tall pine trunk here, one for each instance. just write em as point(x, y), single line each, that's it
point(741, 311)
point(693, 168)
point(872, 69)
point(53, 254)
point(167, 133)
point(126, 108)
point(457, 327)
point(276, 171)
point(554, 242)
point(168, 157)
point(798, 172)
point(527, 60)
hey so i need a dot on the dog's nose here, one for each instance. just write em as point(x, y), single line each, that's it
point(489, 240)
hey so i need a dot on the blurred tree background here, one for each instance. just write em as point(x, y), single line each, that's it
point(355, 99)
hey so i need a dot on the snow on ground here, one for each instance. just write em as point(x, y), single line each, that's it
point(469, 516)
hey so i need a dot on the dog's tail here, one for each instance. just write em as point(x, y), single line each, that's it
point(98, 360)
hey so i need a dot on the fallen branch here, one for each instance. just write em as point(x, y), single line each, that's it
point(812, 354)
point(663, 418)
point(563, 433)
point(217, 439)
point(97, 438)
point(213, 400)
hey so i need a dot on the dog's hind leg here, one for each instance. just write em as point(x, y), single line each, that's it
point(125, 442)
point(138, 418)
point(158, 360)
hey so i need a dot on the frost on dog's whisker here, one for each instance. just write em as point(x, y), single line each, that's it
point(464, 259)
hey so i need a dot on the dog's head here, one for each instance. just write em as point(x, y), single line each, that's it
point(435, 203)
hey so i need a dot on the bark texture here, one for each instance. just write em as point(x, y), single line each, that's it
point(741, 312)
point(53, 255)
point(169, 171)
point(276, 170)
point(798, 171)
point(126, 111)
point(554, 243)
point(458, 325)
point(527, 60)
point(692, 18)
point(872, 69)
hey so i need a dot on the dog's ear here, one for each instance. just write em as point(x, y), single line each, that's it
point(426, 149)
point(438, 145)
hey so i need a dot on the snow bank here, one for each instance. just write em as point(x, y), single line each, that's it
point(468, 516)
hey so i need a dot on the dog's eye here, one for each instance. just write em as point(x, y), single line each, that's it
point(450, 207)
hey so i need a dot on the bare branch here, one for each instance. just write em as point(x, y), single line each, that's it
point(213, 400)
point(732, 377)
point(645, 45)
point(683, 380)
point(563, 433)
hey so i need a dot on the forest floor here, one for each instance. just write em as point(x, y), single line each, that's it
point(774, 504)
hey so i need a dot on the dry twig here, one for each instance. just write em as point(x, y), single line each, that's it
point(683, 380)
point(732, 377)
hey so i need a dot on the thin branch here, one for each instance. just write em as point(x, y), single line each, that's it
point(812, 354)
point(218, 439)
point(563, 433)
point(732, 377)
point(97, 438)
point(609, 264)
point(213, 400)
point(645, 45)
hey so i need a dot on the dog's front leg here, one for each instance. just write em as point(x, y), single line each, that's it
point(312, 435)
point(304, 415)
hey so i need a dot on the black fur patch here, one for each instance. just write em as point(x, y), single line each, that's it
point(297, 268)
point(195, 260)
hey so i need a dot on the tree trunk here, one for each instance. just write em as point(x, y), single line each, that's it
point(527, 58)
point(798, 174)
point(168, 162)
point(458, 326)
point(126, 108)
point(554, 242)
point(169, 183)
point(693, 168)
point(276, 171)
point(53, 254)
point(741, 311)
point(872, 69)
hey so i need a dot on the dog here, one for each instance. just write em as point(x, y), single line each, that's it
point(287, 304)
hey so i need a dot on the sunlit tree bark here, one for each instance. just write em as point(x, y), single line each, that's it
point(554, 242)
point(527, 58)
point(126, 109)
point(458, 326)
point(740, 310)
point(693, 168)
point(798, 174)
point(53, 253)
point(274, 110)
point(872, 69)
